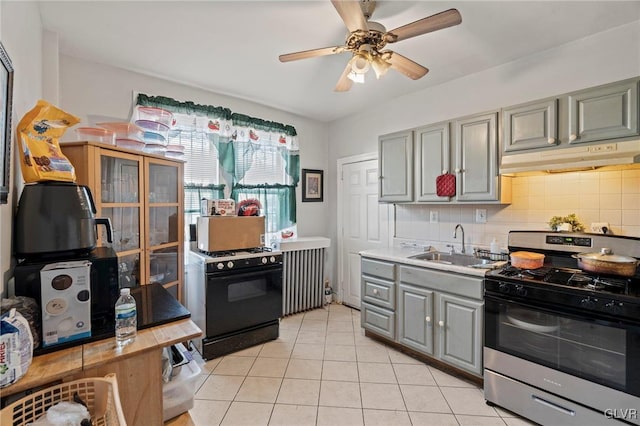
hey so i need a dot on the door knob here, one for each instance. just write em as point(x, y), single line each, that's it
point(441, 323)
point(428, 319)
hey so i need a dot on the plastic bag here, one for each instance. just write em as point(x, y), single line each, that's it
point(16, 347)
point(38, 133)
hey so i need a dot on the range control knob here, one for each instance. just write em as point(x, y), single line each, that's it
point(614, 307)
point(521, 291)
point(589, 302)
point(272, 259)
point(220, 265)
point(229, 264)
point(504, 288)
point(264, 260)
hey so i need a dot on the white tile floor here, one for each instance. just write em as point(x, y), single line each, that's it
point(322, 370)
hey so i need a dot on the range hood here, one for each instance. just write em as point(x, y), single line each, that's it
point(576, 158)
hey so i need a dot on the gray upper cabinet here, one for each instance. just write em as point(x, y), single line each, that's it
point(460, 321)
point(604, 112)
point(415, 318)
point(432, 159)
point(532, 125)
point(395, 164)
point(476, 157)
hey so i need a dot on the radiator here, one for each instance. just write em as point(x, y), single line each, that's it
point(303, 280)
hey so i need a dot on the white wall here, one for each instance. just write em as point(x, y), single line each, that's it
point(88, 88)
point(21, 35)
point(598, 59)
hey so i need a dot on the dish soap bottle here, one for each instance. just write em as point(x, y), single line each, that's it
point(495, 248)
point(126, 318)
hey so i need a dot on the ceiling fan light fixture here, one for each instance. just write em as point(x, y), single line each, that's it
point(380, 66)
point(356, 77)
point(360, 64)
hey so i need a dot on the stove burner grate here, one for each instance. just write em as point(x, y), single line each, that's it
point(231, 253)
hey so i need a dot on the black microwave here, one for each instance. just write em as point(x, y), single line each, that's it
point(104, 287)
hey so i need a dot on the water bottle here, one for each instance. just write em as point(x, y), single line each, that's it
point(126, 318)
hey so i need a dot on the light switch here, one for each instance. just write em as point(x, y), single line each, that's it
point(481, 215)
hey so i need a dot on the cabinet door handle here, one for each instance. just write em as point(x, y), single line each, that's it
point(428, 319)
point(551, 141)
point(441, 323)
point(444, 171)
point(457, 170)
point(376, 291)
point(573, 137)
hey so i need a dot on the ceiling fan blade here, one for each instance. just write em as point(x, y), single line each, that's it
point(344, 83)
point(351, 14)
point(406, 66)
point(312, 53)
point(436, 22)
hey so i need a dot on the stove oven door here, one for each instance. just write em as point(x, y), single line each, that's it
point(599, 350)
point(237, 300)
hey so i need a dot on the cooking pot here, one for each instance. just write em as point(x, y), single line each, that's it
point(56, 218)
point(605, 262)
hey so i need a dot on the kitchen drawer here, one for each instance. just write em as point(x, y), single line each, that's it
point(378, 320)
point(379, 292)
point(442, 281)
point(378, 268)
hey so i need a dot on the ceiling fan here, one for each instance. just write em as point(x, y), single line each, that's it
point(367, 40)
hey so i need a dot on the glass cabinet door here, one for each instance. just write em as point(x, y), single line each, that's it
point(163, 223)
point(120, 201)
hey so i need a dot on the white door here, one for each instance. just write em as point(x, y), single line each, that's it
point(364, 223)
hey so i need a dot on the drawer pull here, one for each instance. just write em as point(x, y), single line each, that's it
point(551, 141)
point(428, 319)
point(441, 323)
point(554, 406)
point(573, 137)
point(376, 291)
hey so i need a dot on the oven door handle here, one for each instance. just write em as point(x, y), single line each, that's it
point(552, 405)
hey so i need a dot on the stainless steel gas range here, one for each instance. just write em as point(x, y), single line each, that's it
point(235, 297)
point(562, 346)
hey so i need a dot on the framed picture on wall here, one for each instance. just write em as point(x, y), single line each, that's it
point(312, 185)
point(6, 97)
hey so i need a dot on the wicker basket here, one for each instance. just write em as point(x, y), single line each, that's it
point(100, 395)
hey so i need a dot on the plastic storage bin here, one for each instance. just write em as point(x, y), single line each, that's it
point(179, 393)
point(124, 130)
point(99, 393)
point(96, 134)
point(158, 115)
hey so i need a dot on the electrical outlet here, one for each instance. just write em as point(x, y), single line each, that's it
point(600, 227)
point(433, 216)
point(481, 215)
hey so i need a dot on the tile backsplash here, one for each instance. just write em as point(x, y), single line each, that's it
point(594, 196)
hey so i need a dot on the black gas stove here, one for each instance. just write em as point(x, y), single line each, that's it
point(562, 346)
point(560, 281)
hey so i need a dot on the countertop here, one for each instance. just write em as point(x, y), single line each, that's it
point(155, 306)
point(401, 255)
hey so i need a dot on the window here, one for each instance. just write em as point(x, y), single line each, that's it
point(231, 155)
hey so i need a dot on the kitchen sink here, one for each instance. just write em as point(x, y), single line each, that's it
point(453, 259)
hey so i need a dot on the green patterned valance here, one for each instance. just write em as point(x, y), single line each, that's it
point(241, 120)
point(189, 108)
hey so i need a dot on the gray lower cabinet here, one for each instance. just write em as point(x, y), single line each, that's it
point(378, 292)
point(415, 320)
point(460, 324)
point(604, 112)
point(436, 313)
point(378, 320)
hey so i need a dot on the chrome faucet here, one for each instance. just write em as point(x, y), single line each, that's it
point(454, 235)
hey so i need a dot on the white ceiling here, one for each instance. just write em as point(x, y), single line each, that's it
point(232, 47)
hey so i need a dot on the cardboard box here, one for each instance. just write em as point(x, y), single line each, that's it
point(219, 233)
